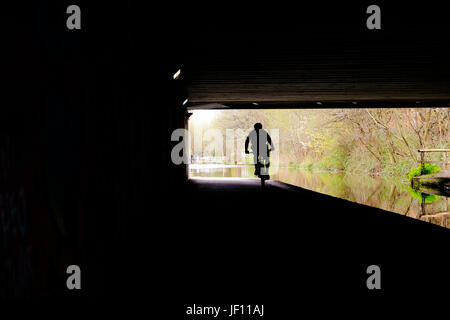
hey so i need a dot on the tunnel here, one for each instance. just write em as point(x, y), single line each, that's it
point(87, 177)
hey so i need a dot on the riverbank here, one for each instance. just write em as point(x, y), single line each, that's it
point(399, 169)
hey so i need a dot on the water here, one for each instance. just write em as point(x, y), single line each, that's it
point(391, 194)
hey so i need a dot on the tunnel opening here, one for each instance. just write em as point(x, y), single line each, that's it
point(364, 155)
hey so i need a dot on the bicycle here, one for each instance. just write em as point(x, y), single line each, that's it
point(258, 168)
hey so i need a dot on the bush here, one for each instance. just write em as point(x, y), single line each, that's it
point(401, 168)
point(428, 168)
point(426, 198)
point(308, 166)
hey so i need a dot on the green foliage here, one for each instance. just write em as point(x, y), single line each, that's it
point(428, 168)
point(427, 198)
point(337, 159)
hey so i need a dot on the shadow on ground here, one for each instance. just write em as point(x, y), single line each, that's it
point(234, 241)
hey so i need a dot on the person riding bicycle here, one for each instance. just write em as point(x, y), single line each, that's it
point(260, 143)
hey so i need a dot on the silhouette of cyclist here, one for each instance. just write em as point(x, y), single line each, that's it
point(260, 142)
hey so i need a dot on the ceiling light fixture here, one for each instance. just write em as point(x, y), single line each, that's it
point(176, 75)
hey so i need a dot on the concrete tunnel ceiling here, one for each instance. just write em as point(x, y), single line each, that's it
point(332, 68)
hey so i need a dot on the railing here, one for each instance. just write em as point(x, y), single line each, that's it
point(422, 157)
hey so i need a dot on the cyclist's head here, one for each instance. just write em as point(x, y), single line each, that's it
point(257, 126)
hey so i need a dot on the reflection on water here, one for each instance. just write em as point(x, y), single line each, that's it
point(393, 194)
